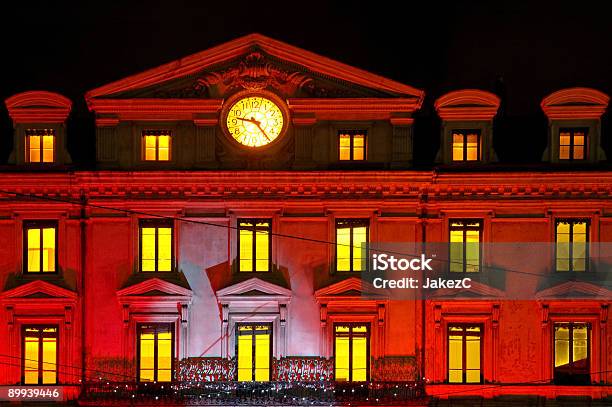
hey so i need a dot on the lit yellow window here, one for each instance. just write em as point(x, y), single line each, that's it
point(464, 246)
point(572, 144)
point(352, 145)
point(351, 350)
point(40, 248)
point(464, 354)
point(157, 145)
point(466, 145)
point(572, 240)
point(40, 355)
point(351, 244)
point(156, 353)
point(40, 145)
point(254, 245)
point(155, 247)
point(254, 346)
point(571, 349)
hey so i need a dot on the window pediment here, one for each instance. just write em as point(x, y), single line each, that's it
point(41, 290)
point(254, 288)
point(154, 290)
point(467, 105)
point(348, 289)
point(38, 107)
point(575, 103)
point(575, 290)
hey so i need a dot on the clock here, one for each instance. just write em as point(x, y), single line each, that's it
point(255, 120)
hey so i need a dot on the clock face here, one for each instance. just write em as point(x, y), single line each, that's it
point(255, 121)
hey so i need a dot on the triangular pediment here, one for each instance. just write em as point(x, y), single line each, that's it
point(154, 287)
point(575, 290)
point(39, 289)
point(253, 287)
point(349, 288)
point(254, 62)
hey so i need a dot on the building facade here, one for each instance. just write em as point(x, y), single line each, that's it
point(219, 239)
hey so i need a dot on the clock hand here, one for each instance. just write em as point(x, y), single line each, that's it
point(262, 130)
point(256, 123)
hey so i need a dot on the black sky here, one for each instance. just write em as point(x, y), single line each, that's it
point(535, 47)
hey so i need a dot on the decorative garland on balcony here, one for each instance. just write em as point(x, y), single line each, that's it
point(205, 369)
point(302, 369)
point(294, 369)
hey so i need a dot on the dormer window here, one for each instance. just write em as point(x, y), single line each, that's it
point(467, 127)
point(466, 145)
point(39, 122)
point(39, 145)
point(574, 125)
point(572, 143)
point(352, 145)
point(156, 145)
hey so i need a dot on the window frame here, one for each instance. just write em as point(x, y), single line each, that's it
point(172, 327)
point(571, 324)
point(35, 132)
point(156, 223)
point(355, 222)
point(352, 133)
point(464, 325)
point(270, 325)
point(464, 133)
point(587, 259)
point(156, 133)
point(480, 240)
point(368, 347)
point(254, 222)
point(39, 224)
point(572, 131)
point(40, 350)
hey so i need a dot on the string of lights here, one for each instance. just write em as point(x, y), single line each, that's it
point(215, 389)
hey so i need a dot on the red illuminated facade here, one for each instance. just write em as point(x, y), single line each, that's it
point(188, 256)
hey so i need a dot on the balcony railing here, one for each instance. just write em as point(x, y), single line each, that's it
point(254, 393)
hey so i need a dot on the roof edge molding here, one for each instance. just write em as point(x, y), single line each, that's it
point(38, 106)
point(575, 103)
point(467, 104)
point(232, 49)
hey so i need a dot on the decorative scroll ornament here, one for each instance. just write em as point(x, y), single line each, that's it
point(253, 73)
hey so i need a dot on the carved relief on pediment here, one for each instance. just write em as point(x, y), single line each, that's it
point(254, 72)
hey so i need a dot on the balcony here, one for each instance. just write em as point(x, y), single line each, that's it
point(275, 393)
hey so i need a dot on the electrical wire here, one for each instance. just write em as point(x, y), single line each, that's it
point(273, 234)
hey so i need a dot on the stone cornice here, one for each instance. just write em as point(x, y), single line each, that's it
point(353, 109)
point(323, 185)
point(153, 109)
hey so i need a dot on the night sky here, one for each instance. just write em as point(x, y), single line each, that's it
point(521, 50)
